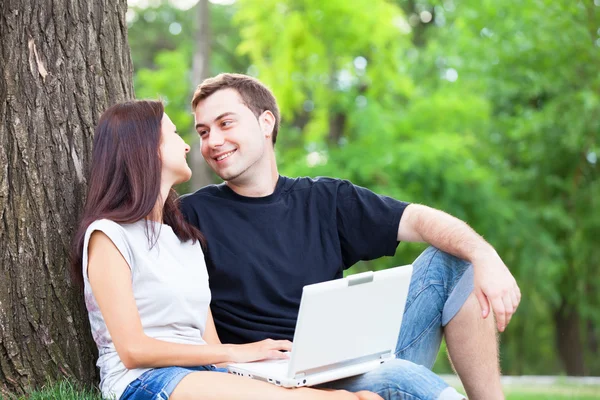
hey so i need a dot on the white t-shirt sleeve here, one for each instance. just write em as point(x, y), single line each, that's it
point(115, 233)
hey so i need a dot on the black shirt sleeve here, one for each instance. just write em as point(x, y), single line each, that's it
point(185, 203)
point(367, 223)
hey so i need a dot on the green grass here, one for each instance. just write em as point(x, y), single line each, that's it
point(553, 392)
point(547, 396)
point(60, 391)
point(532, 396)
point(66, 391)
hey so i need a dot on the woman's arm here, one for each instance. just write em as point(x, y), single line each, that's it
point(110, 279)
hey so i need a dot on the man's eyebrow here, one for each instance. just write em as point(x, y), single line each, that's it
point(225, 114)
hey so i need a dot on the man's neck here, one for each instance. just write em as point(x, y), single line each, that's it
point(260, 184)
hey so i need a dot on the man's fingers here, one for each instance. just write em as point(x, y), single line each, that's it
point(518, 292)
point(483, 302)
point(508, 309)
point(514, 295)
point(499, 310)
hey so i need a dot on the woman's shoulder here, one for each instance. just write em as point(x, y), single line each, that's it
point(123, 236)
point(103, 223)
point(117, 232)
point(108, 225)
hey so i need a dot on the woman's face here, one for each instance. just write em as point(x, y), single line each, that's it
point(173, 151)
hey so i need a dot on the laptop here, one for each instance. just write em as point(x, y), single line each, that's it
point(345, 327)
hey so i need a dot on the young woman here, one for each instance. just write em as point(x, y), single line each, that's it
point(144, 277)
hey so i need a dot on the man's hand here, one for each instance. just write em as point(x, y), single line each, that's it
point(495, 285)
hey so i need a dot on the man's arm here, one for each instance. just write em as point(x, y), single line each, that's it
point(493, 281)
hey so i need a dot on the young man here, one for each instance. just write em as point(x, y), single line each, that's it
point(269, 235)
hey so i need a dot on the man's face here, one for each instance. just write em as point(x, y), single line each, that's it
point(232, 138)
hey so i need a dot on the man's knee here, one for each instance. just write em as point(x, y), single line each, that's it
point(437, 266)
point(451, 276)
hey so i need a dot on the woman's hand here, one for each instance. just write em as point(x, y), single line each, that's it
point(267, 349)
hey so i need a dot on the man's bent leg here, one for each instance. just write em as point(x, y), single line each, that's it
point(476, 363)
point(440, 298)
point(399, 380)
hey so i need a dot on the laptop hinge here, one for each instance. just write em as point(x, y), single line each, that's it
point(361, 278)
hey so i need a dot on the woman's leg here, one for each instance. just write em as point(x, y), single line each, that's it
point(221, 386)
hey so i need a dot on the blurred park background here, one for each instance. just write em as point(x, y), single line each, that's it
point(489, 110)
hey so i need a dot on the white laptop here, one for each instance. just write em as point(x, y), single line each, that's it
point(345, 327)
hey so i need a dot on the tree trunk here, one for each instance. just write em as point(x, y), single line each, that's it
point(411, 10)
point(592, 346)
point(63, 62)
point(337, 125)
point(201, 172)
point(568, 339)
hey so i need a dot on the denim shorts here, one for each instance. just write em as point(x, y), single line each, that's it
point(159, 383)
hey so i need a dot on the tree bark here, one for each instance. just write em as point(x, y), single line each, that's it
point(201, 172)
point(62, 63)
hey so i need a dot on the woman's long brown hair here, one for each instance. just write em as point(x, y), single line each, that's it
point(124, 178)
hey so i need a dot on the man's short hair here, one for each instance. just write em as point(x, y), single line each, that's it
point(255, 95)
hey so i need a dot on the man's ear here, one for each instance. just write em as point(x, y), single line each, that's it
point(267, 123)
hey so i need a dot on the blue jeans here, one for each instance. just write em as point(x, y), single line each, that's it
point(440, 285)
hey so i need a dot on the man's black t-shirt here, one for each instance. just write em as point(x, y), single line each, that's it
point(262, 251)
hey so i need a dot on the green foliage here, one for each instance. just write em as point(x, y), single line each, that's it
point(162, 45)
point(163, 60)
point(536, 64)
point(326, 58)
point(164, 82)
point(160, 27)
